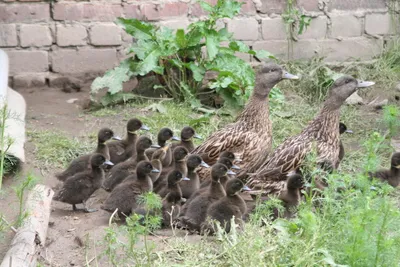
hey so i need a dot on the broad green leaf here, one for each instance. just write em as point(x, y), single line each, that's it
point(137, 28)
point(180, 38)
point(224, 34)
point(206, 6)
point(198, 71)
point(113, 79)
point(229, 9)
point(194, 36)
point(149, 63)
point(261, 54)
point(212, 43)
point(117, 98)
point(239, 46)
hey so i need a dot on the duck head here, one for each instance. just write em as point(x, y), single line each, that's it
point(188, 133)
point(341, 89)
point(145, 168)
point(144, 143)
point(234, 186)
point(395, 162)
point(267, 76)
point(295, 181)
point(97, 160)
point(194, 161)
point(134, 125)
point(164, 135)
point(106, 134)
point(219, 170)
point(180, 153)
point(228, 163)
point(229, 155)
point(175, 176)
point(343, 128)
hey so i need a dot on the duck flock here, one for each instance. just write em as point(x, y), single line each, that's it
point(201, 185)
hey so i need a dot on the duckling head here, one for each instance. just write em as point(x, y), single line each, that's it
point(229, 155)
point(194, 161)
point(97, 160)
point(145, 168)
point(134, 125)
point(106, 134)
point(267, 76)
point(295, 181)
point(144, 143)
point(343, 128)
point(234, 186)
point(218, 170)
point(188, 133)
point(166, 134)
point(395, 162)
point(180, 153)
point(175, 176)
point(342, 88)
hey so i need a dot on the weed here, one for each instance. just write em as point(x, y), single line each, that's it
point(20, 190)
point(391, 117)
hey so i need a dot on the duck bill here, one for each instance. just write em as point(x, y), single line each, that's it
point(109, 163)
point(198, 137)
point(246, 188)
point(231, 172)
point(204, 164)
point(363, 84)
point(186, 179)
point(175, 138)
point(287, 75)
point(238, 160)
point(155, 171)
point(349, 131)
point(235, 167)
point(397, 167)
point(155, 146)
point(117, 138)
point(145, 128)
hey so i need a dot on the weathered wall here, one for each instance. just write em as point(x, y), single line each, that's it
point(46, 40)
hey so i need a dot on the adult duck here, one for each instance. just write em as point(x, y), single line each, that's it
point(250, 136)
point(322, 133)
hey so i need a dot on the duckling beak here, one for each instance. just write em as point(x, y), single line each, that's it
point(115, 137)
point(246, 188)
point(397, 167)
point(198, 137)
point(287, 75)
point(204, 164)
point(155, 146)
point(235, 167)
point(155, 171)
point(175, 138)
point(186, 179)
point(231, 172)
point(107, 162)
point(362, 84)
point(144, 127)
point(349, 131)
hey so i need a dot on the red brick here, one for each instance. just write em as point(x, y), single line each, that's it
point(197, 11)
point(28, 61)
point(272, 6)
point(309, 5)
point(358, 4)
point(24, 12)
point(86, 11)
point(157, 12)
point(248, 8)
point(132, 12)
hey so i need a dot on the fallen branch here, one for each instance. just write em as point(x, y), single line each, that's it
point(31, 236)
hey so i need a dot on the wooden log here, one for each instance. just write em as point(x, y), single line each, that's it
point(31, 236)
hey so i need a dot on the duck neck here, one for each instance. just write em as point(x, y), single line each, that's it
point(141, 155)
point(325, 124)
point(102, 148)
point(97, 171)
point(131, 137)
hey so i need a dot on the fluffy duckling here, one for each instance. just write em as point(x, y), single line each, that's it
point(191, 186)
point(124, 196)
point(179, 163)
point(205, 173)
point(223, 210)
point(196, 210)
point(156, 161)
point(228, 163)
point(342, 129)
point(291, 195)
point(81, 163)
point(391, 176)
point(77, 189)
point(126, 168)
point(164, 136)
point(321, 133)
point(124, 149)
point(174, 177)
point(187, 135)
point(251, 133)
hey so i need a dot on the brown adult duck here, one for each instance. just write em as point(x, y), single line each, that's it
point(391, 176)
point(250, 136)
point(78, 188)
point(164, 137)
point(126, 168)
point(342, 129)
point(83, 162)
point(187, 135)
point(124, 196)
point(322, 133)
point(121, 150)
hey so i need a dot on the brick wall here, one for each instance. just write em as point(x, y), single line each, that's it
point(47, 40)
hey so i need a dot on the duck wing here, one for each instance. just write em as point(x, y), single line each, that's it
point(75, 189)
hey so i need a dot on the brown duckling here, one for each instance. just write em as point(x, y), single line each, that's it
point(195, 212)
point(321, 133)
point(251, 133)
point(228, 163)
point(126, 168)
point(124, 149)
point(156, 161)
point(174, 177)
point(82, 163)
point(223, 210)
point(164, 136)
point(124, 196)
point(77, 189)
point(187, 135)
point(291, 195)
point(204, 173)
point(191, 186)
point(179, 163)
point(391, 176)
point(342, 129)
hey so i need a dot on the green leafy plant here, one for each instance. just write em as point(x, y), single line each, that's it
point(8, 163)
point(20, 190)
point(179, 60)
point(391, 117)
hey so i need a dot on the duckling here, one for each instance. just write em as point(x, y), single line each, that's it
point(164, 135)
point(228, 163)
point(291, 195)
point(223, 210)
point(179, 164)
point(196, 210)
point(124, 149)
point(391, 176)
point(124, 196)
point(321, 133)
point(79, 187)
point(173, 178)
point(204, 173)
point(126, 168)
point(82, 163)
point(156, 159)
point(191, 186)
point(342, 129)
point(251, 133)
point(187, 134)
